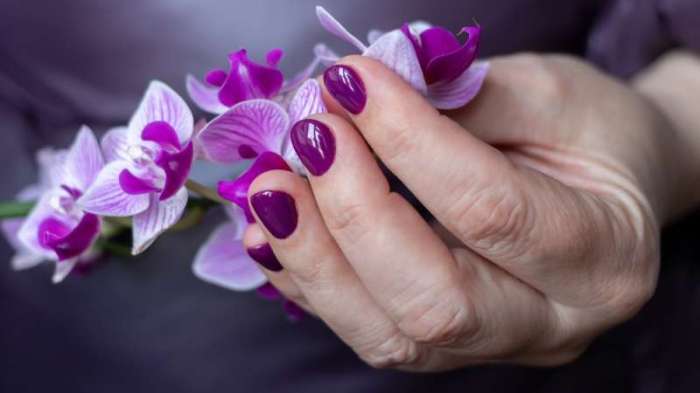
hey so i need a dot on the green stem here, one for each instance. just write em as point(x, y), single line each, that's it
point(15, 209)
point(191, 218)
point(114, 248)
point(204, 191)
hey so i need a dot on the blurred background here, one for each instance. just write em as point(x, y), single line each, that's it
point(147, 324)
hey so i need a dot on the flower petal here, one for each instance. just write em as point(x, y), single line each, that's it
point(457, 93)
point(205, 97)
point(24, 258)
point(396, 51)
point(160, 215)
point(249, 80)
point(176, 167)
point(161, 103)
point(63, 268)
point(51, 166)
point(161, 133)
point(273, 57)
point(306, 101)
point(302, 76)
point(334, 27)
point(28, 233)
point(106, 197)
point(236, 191)
point(223, 261)
point(373, 35)
point(258, 124)
point(115, 144)
point(134, 185)
point(84, 160)
point(325, 55)
point(52, 235)
point(445, 58)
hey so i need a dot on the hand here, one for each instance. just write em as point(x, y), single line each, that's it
point(548, 189)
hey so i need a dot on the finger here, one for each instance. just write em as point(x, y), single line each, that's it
point(259, 249)
point(469, 186)
point(286, 211)
point(398, 257)
point(433, 297)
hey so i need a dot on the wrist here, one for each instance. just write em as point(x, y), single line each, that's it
point(672, 86)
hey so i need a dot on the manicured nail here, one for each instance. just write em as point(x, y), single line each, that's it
point(314, 143)
point(263, 255)
point(346, 87)
point(277, 211)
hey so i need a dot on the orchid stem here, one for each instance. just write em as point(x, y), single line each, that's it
point(15, 209)
point(204, 191)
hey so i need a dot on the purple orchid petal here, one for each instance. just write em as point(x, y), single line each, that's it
point(215, 77)
point(334, 27)
point(293, 311)
point(373, 35)
point(205, 97)
point(325, 55)
point(160, 215)
point(67, 243)
point(23, 258)
point(396, 51)
point(248, 80)
point(268, 291)
point(106, 197)
point(445, 58)
point(161, 133)
point(259, 124)
point(223, 261)
point(161, 103)
point(115, 144)
point(63, 269)
point(457, 93)
point(134, 185)
point(27, 233)
point(306, 101)
point(236, 191)
point(177, 167)
point(51, 166)
point(83, 161)
point(273, 57)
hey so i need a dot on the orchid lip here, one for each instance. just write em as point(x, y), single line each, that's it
point(161, 133)
point(177, 167)
point(55, 235)
point(236, 191)
point(134, 185)
point(248, 79)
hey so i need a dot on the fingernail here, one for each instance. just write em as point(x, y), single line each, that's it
point(346, 87)
point(263, 255)
point(315, 145)
point(277, 211)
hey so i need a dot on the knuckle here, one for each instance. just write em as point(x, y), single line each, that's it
point(349, 220)
point(442, 321)
point(493, 219)
point(547, 78)
point(395, 351)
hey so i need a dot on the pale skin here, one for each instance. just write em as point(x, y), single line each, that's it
point(549, 192)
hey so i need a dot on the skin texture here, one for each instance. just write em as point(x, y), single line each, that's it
point(549, 191)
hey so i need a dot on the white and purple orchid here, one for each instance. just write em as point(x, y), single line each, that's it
point(57, 229)
point(148, 165)
point(245, 80)
point(429, 58)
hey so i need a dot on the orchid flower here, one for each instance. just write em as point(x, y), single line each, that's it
point(148, 165)
point(245, 80)
point(429, 58)
point(57, 229)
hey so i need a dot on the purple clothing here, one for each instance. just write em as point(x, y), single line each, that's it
point(148, 324)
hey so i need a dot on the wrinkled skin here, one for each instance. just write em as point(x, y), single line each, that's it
point(548, 190)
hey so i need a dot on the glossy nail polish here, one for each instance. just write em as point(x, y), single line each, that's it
point(315, 145)
point(277, 211)
point(346, 87)
point(263, 255)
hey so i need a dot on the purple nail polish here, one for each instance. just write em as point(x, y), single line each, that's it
point(314, 143)
point(263, 255)
point(346, 87)
point(277, 211)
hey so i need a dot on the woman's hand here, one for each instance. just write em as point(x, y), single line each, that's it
point(548, 189)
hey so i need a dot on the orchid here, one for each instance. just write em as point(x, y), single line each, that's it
point(245, 80)
point(57, 229)
point(429, 58)
point(148, 165)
